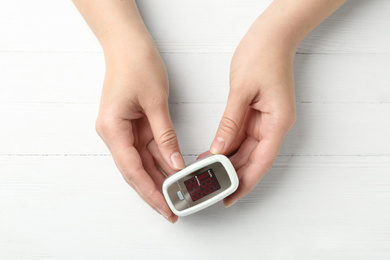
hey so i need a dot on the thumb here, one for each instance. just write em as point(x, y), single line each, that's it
point(230, 124)
point(165, 135)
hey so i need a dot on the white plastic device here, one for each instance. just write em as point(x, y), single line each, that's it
point(200, 185)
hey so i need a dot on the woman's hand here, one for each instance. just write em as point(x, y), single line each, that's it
point(261, 105)
point(260, 108)
point(134, 120)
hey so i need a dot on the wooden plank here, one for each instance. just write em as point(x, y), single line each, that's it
point(323, 130)
point(51, 77)
point(304, 208)
point(61, 196)
point(182, 26)
point(78, 77)
point(44, 26)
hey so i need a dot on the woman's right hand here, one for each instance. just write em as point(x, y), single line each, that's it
point(135, 125)
point(134, 119)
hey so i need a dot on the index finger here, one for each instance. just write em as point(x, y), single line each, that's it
point(129, 163)
point(259, 163)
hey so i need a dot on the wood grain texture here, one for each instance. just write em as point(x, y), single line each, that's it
point(182, 26)
point(337, 129)
point(61, 196)
point(305, 208)
point(194, 78)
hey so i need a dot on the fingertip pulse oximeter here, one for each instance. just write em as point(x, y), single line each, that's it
point(200, 185)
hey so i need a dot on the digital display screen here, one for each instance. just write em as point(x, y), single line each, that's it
point(202, 184)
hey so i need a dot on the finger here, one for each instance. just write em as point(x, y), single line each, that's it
point(231, 124)
point(204, 155)
point(165, 135)
point(134, 174)
point(155, 173)
point(237, 142)
point(260, 162)
point(151, 168)
point(241, 157)
point(130, 164)
point(153, 149)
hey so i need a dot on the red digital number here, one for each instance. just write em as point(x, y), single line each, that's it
point(201, 185)
point(207, 186)
point(197, 196)
point(209, 189)
point(193, 189)
point(206, 182)
point(191, 182)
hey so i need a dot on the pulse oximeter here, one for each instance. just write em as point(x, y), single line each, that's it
point(200, 185)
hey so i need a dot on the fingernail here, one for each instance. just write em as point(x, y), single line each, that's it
point(163, 213)
point(171, 220)
point(177, 161)
point(217, 146)
point(230, 204)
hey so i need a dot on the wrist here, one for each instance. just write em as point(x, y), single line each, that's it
point(287, 23)
point(126, 40)
point(127, 51)
point(267, 31)
point(283, 26)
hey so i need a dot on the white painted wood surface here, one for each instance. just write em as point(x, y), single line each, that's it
point(61, 197)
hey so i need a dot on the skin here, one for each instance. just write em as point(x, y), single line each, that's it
point(261, 104)
point(134, 116)
point(134, 120)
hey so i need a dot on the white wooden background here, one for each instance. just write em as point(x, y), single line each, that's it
point(61, 197)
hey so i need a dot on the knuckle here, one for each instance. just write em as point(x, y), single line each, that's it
point(228, 125)
point(130, 175)
point(102, 126)
point(290, 118)
point(128, 180)
point(149, 193)
point(287, 119)
point(265, 165)
point(133, 179)
point(248, 182)
point(168, 138)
